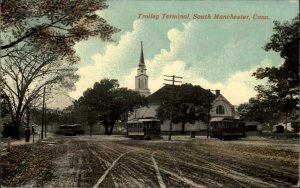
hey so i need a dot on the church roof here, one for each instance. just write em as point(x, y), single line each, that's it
point(142, 75)
point(164, 92)
point(142, 62)
point(158, 96)
point(222, 98)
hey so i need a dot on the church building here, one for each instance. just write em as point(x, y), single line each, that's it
point(221, 107)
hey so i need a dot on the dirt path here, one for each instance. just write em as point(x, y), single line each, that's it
point(95, 162)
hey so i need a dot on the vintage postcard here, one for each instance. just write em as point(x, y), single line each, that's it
point(159, 93)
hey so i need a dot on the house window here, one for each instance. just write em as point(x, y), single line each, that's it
point(220, 109)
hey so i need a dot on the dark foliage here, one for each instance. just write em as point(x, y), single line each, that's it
point(281, 93)
point(107, 103)
point(188, 103)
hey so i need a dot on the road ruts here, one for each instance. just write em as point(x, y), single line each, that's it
point(211, 167)
point(128, 173)
point(112, 163)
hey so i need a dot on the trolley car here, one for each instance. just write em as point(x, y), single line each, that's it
point(143, 128)
point(227, 128)
point(71, 130)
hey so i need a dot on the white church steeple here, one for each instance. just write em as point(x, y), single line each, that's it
point(141, 80)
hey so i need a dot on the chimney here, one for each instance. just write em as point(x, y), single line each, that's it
point(218, 92)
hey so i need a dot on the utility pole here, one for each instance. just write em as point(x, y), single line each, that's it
point(286, 121)
point(28, 116)
point(27, 130)
point(0, 116)
point(45, 123)
point(208, 114)
point(172, 99)
point(43, 111)
point(208, 111)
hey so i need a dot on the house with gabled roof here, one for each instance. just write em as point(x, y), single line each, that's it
point(221, 107)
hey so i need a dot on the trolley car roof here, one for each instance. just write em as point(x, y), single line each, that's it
point(142, 120)
point(225, 119)
point(74, 125)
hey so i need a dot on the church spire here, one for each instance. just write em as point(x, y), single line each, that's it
point(142, 62)
point(141, 79)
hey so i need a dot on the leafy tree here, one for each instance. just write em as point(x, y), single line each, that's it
point(282, 89)
point(27, 72)
point(189, 104)
point(256, 110)
point(52, 24)
point(37, 39)
point(4, 105)
point(106, 102)
point(4, 113)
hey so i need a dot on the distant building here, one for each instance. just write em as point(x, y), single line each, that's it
point(141, 79)
point(292, 126)
point(252, 125)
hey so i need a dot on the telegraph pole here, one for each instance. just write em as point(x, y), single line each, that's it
point(172, 99)
point(208, 110)
point(0, 112)
point(28, 116)
point(208, 114)
point(43, 113)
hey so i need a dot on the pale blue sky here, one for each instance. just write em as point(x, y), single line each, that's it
point(216, 54)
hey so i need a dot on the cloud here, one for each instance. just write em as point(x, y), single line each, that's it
point(293, 1)
point(237, 88)
point(111, 63)
point(214, 66)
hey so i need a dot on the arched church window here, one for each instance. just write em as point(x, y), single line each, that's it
point(220, 109)
point(142, 83)
point(139, 83)
point(145, 83)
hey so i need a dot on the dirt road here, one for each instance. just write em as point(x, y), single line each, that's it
point(117, 162)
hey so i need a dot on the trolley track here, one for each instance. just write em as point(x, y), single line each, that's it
point(210, 172)
point(139, 170)
point(229, 166)
point(112, 163)
point(138, 173)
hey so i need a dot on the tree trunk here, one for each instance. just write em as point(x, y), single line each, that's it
point(16, 120)
point(262, 121)
point(91, 129)
point(182, 127)
point(106, 130)
point(16, 129)
point(105, 124)
point(91, 126)
point(112, 124)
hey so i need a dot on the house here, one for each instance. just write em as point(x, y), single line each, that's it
point(221, 107)
point(292, 126)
